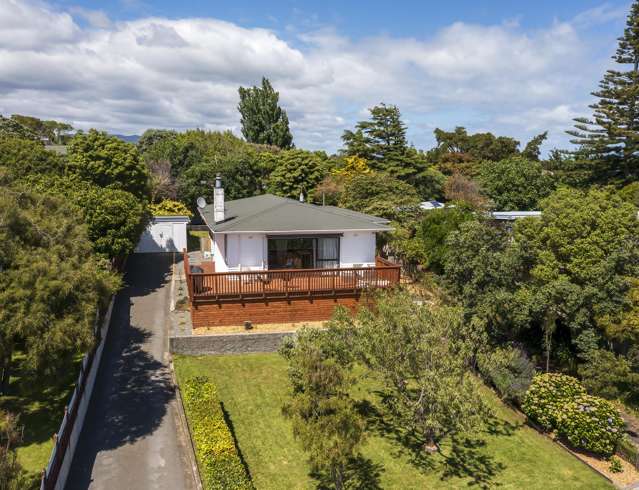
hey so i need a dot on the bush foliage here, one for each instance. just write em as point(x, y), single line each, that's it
point(591, 423)
point(169, 207)
point(509, 370)
point(218, 460)
point(548, 394)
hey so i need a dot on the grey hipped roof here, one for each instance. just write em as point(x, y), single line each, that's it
point(271, 214)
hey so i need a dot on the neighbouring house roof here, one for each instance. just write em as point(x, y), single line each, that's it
point(273, 214)
point(513, 215)
point(428, 205)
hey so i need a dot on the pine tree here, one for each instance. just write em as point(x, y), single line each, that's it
point(263, 120)
point(609, 141)
point(382, 142)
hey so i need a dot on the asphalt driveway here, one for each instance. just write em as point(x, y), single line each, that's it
point(132, 438)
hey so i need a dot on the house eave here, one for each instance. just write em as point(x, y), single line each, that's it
point(293, 232)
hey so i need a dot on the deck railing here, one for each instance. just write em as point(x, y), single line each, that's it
point(289, 283)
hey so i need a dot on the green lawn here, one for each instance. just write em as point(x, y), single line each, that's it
point(39, 402)
point(507, 454)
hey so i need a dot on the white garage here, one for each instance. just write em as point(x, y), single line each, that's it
point(164, 234)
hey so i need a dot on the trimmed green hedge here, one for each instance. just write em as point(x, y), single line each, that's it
point(218, 459)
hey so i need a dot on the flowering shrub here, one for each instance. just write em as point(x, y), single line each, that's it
point(218, 460)
point(591, 423)
point(548, 394)
point(170, 208)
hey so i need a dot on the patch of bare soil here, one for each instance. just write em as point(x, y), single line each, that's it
point(257, 328)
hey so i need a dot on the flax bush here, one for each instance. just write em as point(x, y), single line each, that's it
point(218, 459)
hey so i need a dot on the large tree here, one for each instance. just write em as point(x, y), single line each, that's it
point(581, 254)
point(515, 183)
point(107, 161)
point(610, 139)
point(114, 218)
point(382, 142)
point(380, 195)
point(50, 285)
point(263, 120)
point(423, 357)
point(20, 157)
point(323, 414)
point(298, 171)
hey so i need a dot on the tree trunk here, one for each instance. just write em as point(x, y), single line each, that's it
point(430, 446)
point(549, 328)
point(5, 373)
point(338, 477)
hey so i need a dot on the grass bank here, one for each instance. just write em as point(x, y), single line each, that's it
point(39, 403)
point(506, 454)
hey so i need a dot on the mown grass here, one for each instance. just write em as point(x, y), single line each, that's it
point(39, 403)
point(507, 454)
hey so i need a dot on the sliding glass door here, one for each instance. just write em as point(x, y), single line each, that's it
point(321, 252)
point(327, 253)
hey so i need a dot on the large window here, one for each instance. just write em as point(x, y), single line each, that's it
point(303, 252)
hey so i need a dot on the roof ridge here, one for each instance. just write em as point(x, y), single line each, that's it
point(288, 200)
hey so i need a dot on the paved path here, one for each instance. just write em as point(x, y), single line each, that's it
point(132, 437)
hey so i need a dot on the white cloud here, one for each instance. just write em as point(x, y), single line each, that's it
point(157, 72)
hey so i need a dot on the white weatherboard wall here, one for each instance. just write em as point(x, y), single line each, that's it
point(244, 250)
point(164, 234)
point(357, 249)
point(249, 251)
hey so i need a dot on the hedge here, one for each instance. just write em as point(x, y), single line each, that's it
point(218, 459)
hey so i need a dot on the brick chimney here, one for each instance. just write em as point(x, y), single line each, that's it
point(218, 200)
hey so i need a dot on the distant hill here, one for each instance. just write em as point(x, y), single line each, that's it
point(129, 138)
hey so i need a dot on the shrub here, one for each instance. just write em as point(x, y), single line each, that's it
point(615, 465)
point(628, 451)
point(169, 208)
point(547, 395)
point(591, 423)
point(509, 370)
point(218, 459)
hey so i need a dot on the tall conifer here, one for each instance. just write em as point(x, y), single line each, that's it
point(609, 141)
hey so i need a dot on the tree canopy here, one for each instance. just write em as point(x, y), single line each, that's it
point(380, 195)
point(609, 141)
point(515, 183)
point(263, 120)
point(51, 284)
point(297, 171)
point(107, 161)
point(382, 142)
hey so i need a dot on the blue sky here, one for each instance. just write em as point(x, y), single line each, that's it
point(514, 68)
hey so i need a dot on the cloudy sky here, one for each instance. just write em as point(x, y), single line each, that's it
point(514, 68)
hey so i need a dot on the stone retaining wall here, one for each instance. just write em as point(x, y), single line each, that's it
point(233, 343)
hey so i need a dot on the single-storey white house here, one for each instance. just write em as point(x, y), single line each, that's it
point(268, 232)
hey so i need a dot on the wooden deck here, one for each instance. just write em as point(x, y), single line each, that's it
point(289, 283)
